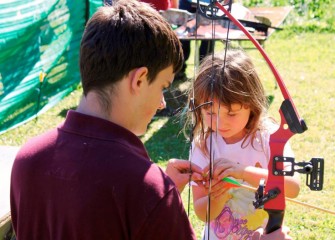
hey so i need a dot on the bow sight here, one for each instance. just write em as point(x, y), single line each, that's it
point(313, 169)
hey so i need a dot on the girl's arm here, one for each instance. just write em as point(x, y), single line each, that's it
point(200, 191)
point(219, 196)
point(174, 3)
point(252, 175)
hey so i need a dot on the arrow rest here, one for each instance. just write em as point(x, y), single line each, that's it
point(262, 197)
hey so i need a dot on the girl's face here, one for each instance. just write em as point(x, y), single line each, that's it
point(230, 124)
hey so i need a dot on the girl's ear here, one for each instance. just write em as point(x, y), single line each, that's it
point(138, 78)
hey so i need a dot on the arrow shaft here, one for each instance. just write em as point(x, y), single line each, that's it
point(292, 200)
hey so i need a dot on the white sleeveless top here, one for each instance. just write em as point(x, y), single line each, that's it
point(238, 219)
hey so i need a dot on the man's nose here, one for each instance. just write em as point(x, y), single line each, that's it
point(162, 105)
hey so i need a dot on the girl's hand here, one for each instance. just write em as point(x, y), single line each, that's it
point(218, 189)
point(280, 234)
point(226, 168)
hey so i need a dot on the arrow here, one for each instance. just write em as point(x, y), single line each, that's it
point(231, 183)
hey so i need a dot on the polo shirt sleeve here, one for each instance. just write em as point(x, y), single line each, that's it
point(168, 220)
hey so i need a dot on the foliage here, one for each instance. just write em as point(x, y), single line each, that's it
point(306, 62)
point(308, 15)
point(311, 8)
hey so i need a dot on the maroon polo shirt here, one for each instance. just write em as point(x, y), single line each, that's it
point(92, 179)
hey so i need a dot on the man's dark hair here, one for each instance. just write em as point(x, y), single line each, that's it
point(127, 35)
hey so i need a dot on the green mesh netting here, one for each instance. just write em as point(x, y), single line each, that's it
point(39, 50)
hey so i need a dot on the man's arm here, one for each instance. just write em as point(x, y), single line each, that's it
point(167, 220)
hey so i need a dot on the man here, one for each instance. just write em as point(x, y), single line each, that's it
point(91, 178)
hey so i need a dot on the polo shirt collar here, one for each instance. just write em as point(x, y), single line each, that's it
point(95, 127)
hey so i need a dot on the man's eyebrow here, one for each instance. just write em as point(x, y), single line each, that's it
point(168, 87)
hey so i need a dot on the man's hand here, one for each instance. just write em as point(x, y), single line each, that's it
point(280, 234)
point(182, 171)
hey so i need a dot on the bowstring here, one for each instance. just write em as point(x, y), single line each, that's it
point(192, 108)
point(211, 151)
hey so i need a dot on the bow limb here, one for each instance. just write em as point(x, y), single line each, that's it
point(275, 72)
point(289, 125)
point(290, 115)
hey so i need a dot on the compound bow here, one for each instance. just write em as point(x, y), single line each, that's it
point(270, 196)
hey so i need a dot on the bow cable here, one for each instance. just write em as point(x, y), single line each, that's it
point(204, 11)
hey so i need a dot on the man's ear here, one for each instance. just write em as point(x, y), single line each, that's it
point(138, 77)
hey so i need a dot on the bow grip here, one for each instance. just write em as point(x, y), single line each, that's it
point(275, 220)
point(295, 124)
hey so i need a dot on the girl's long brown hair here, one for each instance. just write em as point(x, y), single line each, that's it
point(234, 80)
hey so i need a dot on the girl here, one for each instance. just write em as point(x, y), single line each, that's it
point(236, 127)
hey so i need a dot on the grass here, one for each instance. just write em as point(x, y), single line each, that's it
point(307, 65)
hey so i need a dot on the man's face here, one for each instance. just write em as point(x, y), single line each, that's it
point(152, 98)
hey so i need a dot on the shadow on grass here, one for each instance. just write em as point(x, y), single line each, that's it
point(168, 142)
point(64, 111)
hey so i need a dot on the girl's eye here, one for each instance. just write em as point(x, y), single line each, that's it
point(210, 114)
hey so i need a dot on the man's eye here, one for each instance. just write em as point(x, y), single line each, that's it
point(166, 89)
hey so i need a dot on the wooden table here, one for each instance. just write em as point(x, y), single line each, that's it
point(204, 32)
point(7, 156)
